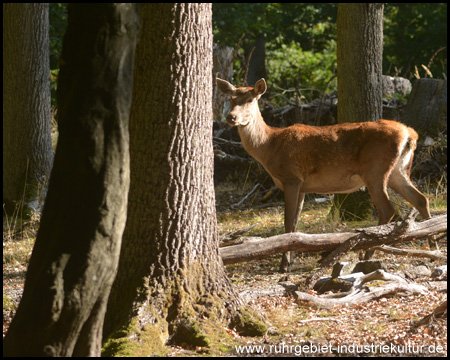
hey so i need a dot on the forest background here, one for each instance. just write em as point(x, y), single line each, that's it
point(300, 41)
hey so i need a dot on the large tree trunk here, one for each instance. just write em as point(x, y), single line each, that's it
point(75, 257)
point(359, 69)
point(171, 281)
point(27, 145)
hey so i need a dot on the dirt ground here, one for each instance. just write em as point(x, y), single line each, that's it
point(383, 327)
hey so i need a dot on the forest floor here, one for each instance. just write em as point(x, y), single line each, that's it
point(381, 327)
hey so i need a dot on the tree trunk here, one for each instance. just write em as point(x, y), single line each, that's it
point(75, 257)
point(359, 60)
point(426, 110)
point(359, 57)
point(27, 145)
point(222, 68)
point(255, 61)
point(171, 281)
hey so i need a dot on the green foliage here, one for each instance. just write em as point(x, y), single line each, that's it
point(301, 40)
point(311, 25)
point(413, 33)
point(290, 66)
point(58, 24)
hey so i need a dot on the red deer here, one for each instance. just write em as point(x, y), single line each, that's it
point(327, 159)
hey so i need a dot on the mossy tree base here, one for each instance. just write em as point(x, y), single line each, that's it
point(187, 314)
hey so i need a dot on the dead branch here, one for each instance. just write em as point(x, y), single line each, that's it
point(229, 238)
point(436, 255)
point(234, 206)
point(359, 293)
point(319, 319)
point(230, 160)
point(366, 238)
point(332, 259)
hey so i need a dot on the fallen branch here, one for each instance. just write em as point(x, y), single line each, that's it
point(319, 319)
point(366, 238)
point(229, 238)
point(437, 255)
point(360, 294)
point(234, 206)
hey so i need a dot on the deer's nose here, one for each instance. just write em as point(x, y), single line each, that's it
point(231, 120)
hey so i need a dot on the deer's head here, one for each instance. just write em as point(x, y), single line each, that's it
point(243, 101)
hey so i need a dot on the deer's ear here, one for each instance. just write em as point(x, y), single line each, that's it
point(225, 86)
point(260, 87)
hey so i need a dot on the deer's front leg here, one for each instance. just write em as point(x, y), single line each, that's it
point(293, 203)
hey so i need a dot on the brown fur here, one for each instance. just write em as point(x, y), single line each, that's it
point(329, 159)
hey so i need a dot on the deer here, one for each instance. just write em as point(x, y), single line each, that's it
point(340, 158)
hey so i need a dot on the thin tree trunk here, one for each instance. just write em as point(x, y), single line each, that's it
point(255, 60)
point(76, 254)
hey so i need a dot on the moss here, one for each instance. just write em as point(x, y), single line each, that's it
point(134, 342)
point(190, 332)
point(183, 311)
point(248, 323)
point(8, 303)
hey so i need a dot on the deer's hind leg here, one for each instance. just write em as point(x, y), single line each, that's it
point(400, 182)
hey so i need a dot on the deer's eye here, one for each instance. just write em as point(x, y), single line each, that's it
point(249, 101)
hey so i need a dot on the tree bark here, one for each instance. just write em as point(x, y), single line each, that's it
point(359, 71)
point(171, 282)
point(359, 58)
point(426, 110)
point(75, 257)
point(27, 145)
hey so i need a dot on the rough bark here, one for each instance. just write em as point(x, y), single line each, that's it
point(359, 59)
point(27, 145)
point(359, 71)
point(171, 282)
point(76, 254)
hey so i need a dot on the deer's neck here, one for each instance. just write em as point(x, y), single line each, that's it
point(255, 137)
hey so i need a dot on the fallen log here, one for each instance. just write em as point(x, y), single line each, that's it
point(360, 293)
point(365, 238)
